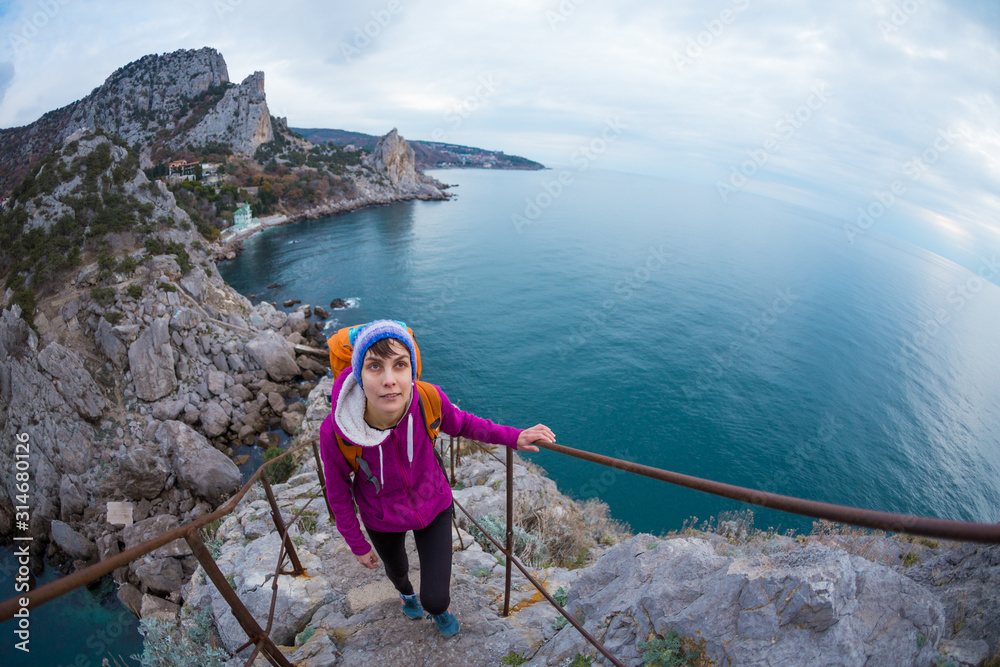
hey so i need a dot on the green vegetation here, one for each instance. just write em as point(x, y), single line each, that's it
point(278, 473)
point(513, 658)
point(527, 547)
point(305, 635)
point(155, 246)
point(582, 661)
point(169, 644)
point(560, 596)
point(134, 291)
point(910, 558)
point(104, 296)
point(667, 651)
point(113, 317)
point(307, 520)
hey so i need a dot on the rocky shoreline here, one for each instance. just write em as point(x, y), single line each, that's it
point(735, 595)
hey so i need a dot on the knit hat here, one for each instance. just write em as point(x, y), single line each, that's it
point(364, 336)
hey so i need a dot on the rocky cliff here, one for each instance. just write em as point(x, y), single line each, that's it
point(159, 101)
point(736, 597)
point(393, 156)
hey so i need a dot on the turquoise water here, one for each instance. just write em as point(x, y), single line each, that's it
point(747, 342)
point(80, 629)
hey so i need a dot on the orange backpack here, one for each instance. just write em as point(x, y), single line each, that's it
point(427, 395)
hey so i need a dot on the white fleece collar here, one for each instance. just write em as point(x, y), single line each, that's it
point(350, 415)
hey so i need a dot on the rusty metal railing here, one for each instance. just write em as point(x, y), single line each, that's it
point(899, 523)
point(259, 637)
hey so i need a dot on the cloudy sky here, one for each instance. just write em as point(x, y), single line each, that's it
point(820, 104)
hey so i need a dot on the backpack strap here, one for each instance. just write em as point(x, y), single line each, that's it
point(430, 407)
point(353, 455)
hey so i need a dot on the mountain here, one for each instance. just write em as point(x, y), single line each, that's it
point(157, 104)
point(428, 154)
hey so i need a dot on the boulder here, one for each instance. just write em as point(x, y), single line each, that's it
point(308, 363)
point(276, 402)
point(275, 355)
point(151, 361)
point(147, 529)
point(291, 421)
point(141, 474)
point(161, 575)
point(72, 499)
point(154, 607)
point(239, 393)
point(75, 383)
point(131, 598)
point(320, 311)
point(72, 542)
point(802, 606)
point(168, 409)
point(184, 318)
point(297, 322)
point(110, 344)
point(214, 419)
point(200, 468)
point(216, 381)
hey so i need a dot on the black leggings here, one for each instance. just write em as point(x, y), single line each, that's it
point(434, 551)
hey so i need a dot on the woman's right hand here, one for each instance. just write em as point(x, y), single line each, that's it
point(369, 560)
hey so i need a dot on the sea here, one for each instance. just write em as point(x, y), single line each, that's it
point(747, 340)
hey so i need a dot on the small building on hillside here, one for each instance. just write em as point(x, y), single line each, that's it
point(242, 217)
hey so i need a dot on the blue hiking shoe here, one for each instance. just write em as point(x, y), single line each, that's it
point(411, 606)
point(447, 624)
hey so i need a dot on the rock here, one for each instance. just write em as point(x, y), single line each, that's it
point(795, 607)
point(147, 529)
point(199, 467)
point(338, 304)
point(72, 499)
point(291, 302)
point(291, 421)
point(161, 575)
point(297, 322)
point(276, 402)
point(154, 607)
point(308, 363)
point(216, 381)
point(141, 474)
point(236, 363)
point(239, 393)
point(320, 311)
point(169, 409)
point(966, 580)
point(75, 383)
point(214, 419)
point(72, 542)
point(131, 598)
point(110, 344)
point(219, 359)
point(274, 355)
point(394, 157)
point(183, 319)
point(152, 362)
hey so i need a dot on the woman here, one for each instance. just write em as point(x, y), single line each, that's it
point(400, 484)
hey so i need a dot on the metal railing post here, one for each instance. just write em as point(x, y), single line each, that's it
point(279, 523)
point(240, 612)
point(510, 529)
point(322, 477)
point(452, 447)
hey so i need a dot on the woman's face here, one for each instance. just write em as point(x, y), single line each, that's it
point(388, 382)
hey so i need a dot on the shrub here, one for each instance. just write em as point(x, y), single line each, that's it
point(113, 317)
point(171, 644)
point(168, 287)
point(127, 265)
point(666, 652)
point(527, 547)
point(279, 472)
point(104, 296)
point(134, 291)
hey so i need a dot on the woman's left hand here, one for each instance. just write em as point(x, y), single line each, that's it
point(529, 435)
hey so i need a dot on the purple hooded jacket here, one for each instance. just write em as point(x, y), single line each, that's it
point(414, 488)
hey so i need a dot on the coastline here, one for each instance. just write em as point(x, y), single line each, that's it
point(227, 248)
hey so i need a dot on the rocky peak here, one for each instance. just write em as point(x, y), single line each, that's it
point(393, 157)
point(240, 119)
